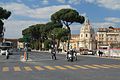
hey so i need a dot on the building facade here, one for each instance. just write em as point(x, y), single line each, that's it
point(84, 40)
point(108, 37)
point(87, 36)
point(74, 42)
point(14, 41)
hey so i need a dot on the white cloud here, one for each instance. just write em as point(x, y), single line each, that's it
point(69, 1)
point(110, 4)
point(94, 25)
point(45, 1)
point(84, 14)
point(14, 27)
point(23, 10)
point(103, 24)
point(113, 19)
point(61, 1)
point(74, 1)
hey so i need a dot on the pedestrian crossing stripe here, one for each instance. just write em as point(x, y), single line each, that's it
point(63, 67)
point(111, 66)
point(50, 68)
point(28, 68)
point(39, 68)
point(70, 67)
point(100, 66)
point(117, 66)
point(17, 68)
point(5, 69)
point(91, 66)
point(60, 67)
point(80, 67)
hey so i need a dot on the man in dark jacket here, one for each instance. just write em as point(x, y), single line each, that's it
point(53, 52)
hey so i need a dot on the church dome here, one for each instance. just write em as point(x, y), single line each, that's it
point(87, 36)
point(86, 27)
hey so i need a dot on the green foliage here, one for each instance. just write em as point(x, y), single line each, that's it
point(67, 15)
point(51, 25)
point(1, 26)
point(40, 33)
point(64, 38)
point(26, 38)
point(4, 14)
point(59, 32)
point(21, 40)
point(47, 44)
point(26, 31)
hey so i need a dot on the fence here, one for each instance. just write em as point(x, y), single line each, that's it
point(114, 52)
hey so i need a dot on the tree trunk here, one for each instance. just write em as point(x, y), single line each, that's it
point(69, 37)
point(58, 43)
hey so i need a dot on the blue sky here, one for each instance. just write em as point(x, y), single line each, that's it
point(101, 13)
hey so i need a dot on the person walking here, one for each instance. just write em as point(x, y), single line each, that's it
point(100, 53)
point(7, 54)
point(53, 52)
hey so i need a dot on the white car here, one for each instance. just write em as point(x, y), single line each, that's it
point(2, 52)
point(6, 47)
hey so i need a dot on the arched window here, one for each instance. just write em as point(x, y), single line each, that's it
point(86, 35)
point(81, 35)
point(91, 35)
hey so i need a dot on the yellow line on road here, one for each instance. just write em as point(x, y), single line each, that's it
point(100, 66)
point(28, 68)
point(80, 67)
point(5, 69)
point(70, 67)
point(17, 68)
point(49, 67)
point(59, 67)
point(116, 65)
point(91, 66)
point(39, 68)
point(111, 66)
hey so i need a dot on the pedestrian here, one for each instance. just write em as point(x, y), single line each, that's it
point(7, 54)
point(53, 52)
point(100, 53)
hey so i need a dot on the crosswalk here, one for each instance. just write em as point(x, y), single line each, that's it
point(59, 67)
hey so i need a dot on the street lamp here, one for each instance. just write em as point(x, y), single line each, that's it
point(53, 40)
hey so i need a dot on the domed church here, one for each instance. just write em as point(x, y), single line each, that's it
point(87, 36)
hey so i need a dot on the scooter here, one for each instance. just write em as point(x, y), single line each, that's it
point(71, 56)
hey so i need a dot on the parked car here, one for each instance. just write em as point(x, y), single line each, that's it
point(6, 47)
point(90, 52)
point(2, 52)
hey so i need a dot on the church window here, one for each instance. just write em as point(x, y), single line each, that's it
point(91, 35)
point(86, 35)
point(81, 35)
point(110, 38)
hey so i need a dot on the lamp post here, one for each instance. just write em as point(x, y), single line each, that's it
point(53, 41)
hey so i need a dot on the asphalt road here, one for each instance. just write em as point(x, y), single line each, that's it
point(40, 66)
